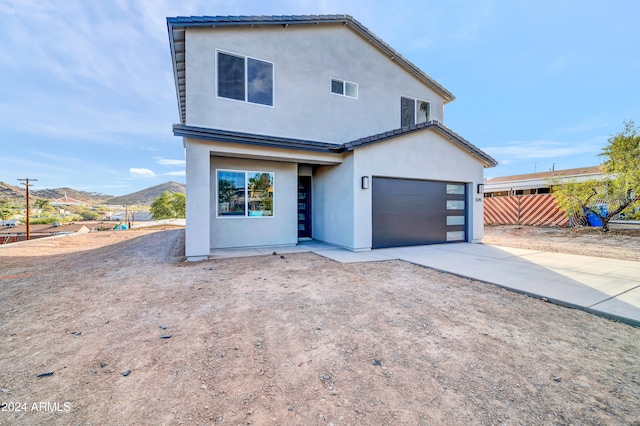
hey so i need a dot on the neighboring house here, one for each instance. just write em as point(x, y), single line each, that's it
point(19, 232)
point(66, 201)
point(537, 183)
point(302, 127)
point(527, 200)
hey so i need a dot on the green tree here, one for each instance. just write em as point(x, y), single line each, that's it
point(88, 214)
point(42, 203)
point(168, 205)
point(619, 186)
point(179, 203)
point(6, 212)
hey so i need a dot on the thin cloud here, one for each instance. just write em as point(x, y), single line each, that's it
point(170, 162)
point(592, 124)
point(179, 173)
point(538, 149)
point(143, 173)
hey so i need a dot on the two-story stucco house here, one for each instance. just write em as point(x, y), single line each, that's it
point(301, 127)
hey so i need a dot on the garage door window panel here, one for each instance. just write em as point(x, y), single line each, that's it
point(455, 220)
point(455, 189)
point(455, 204)
point(455, 236)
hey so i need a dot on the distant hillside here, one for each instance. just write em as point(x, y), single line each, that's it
point(87, 197)
point(10, 192)
point(14, 193)
point(146, 196)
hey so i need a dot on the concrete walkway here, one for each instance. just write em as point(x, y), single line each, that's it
point(606, 287)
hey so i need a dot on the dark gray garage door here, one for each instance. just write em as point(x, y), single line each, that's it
point(409, 212)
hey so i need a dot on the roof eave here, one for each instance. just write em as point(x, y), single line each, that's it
point(174, 65)
point(253, 139)
point(444, 131)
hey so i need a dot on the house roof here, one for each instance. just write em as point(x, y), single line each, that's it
point(541, 179)
point(552, 174)
point(253, 139)
point(66, 201)
point(288, 143)
point(177, 26)
point(45, 229)
point(434, 125)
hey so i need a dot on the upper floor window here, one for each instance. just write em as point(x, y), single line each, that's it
point(344, 88)
point(413, 111)
point(245, 79)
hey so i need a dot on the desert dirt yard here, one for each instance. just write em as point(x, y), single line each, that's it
point(296, 340)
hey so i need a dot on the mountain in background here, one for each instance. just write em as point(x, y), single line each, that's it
point(16, 194)
point(146, 196)
point(86, 197)
point(10, 192)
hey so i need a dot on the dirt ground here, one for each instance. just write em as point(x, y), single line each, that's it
point(296, 340)
point(586, 241)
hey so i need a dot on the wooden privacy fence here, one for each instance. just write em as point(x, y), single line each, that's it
point(540, 210)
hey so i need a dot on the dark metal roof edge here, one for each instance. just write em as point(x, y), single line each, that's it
point(174, 65)
point(436, 125)
point(204, 21)
point(253, 139)
point(197, 21)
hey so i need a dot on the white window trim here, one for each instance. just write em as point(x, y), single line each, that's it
point(246, 79)
point(416, 107)
point(344, 91)
point(246, 197)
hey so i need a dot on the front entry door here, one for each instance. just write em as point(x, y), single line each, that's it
point(304, 206)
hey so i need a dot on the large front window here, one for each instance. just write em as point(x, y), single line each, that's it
point(245, 194)
point(245, 79)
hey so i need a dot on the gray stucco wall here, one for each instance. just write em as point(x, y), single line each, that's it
point(281, 229)
point(198, 195)
point(333, 203)
point(422, 155)
point(305, 59)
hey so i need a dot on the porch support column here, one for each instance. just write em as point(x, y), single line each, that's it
point(197, 234)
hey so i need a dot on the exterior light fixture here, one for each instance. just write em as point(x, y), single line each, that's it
point(481, 188)
point(365, 182)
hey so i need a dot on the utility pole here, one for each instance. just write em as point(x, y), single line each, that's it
point(26, 183)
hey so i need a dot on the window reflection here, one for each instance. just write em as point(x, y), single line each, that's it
point(260, 194)
point(231, 190)
point(245, 193)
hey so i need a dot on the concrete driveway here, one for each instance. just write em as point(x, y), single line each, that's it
point(607, 287)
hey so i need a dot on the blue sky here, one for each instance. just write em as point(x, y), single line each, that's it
point(87, 98)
